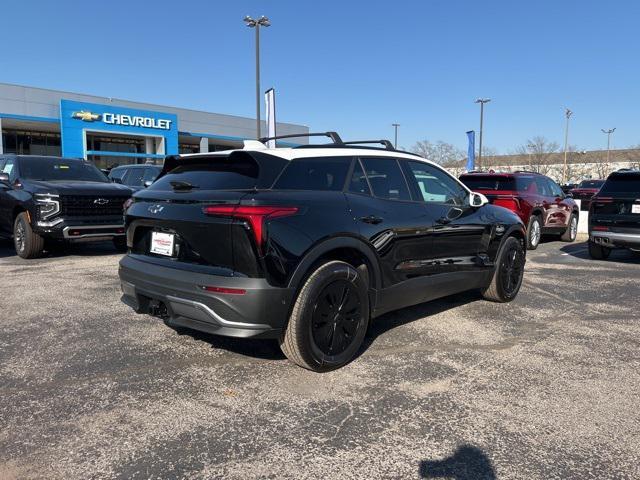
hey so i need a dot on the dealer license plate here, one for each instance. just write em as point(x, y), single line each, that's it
point(635, 208)
point(162, 243)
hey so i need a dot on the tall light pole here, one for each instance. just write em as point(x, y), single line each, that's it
point(608, 132)
point(395, 143)
point(251, 23)
point(567, 113)
point(481, 101)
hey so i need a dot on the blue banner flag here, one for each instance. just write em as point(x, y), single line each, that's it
point(471, 153)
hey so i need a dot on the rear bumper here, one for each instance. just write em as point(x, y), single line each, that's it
point(177, 295)
point(613, 239)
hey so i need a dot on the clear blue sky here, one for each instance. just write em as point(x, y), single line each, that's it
point(351, 66)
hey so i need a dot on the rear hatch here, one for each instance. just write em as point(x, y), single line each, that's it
point(616, 207)
point(500, 189)
point(188, 217)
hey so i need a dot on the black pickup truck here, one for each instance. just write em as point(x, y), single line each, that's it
point(58, 200)
point(614, 215)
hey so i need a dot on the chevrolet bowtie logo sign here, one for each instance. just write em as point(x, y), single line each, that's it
point(86, 116)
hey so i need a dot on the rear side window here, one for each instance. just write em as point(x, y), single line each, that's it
point(591, 184)
point(386, 178)
point(322, 173)
point(117, 173)
point(486, 182)
point(220, 173)
point(622, 184)
point(136, 177)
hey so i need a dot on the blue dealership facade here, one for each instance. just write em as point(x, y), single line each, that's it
point(112, 132)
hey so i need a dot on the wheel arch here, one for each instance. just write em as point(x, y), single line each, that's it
point(348, 249)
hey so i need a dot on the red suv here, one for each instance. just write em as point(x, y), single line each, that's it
point(535, 198)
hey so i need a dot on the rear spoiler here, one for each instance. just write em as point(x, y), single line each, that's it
point(268, 166)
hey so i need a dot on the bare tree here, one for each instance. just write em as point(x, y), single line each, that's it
point(440, 152)
point(538, 152)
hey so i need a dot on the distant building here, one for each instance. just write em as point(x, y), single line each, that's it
point(580, 165)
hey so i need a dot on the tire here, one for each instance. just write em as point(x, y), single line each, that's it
point(507, 277)
point(335, 291)
point(28, 244)
point(571, 232)
point(120, 244)
point(534, 232)
point(598, 252)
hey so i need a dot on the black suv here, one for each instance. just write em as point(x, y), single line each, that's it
point(308, 244)
point(58, 199)
point(614, 215)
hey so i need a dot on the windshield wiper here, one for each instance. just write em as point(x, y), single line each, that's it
point(178, 185)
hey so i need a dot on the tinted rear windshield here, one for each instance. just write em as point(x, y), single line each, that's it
point(591, 184)
point(622, 184)
point(486, 182)
point(221, 173)
point(59, 169)
point(325, 173)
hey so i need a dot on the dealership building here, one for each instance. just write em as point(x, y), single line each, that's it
point(109, 131)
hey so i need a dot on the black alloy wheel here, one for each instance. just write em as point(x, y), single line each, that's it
point(507, 277)
point(336, 315)
point(511, 269)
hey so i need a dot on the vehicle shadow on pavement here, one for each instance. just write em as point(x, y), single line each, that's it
point(248, 347)
point(56, 251)
point(397, 318)
point(467, 463)
point(580, 250)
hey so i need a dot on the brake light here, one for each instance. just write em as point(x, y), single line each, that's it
point(255, 215)
point(510, 203)
point(600, 229)
point(603, 199)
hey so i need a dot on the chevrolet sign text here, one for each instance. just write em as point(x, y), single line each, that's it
point(134, 121)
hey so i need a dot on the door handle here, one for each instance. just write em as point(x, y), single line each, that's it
point(371, 219)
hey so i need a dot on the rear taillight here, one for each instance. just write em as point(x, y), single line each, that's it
point(508, 202)
point(255, 215)
point(602, 199)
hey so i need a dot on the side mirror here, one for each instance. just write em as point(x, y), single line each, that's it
point(477, 200)
point(116, 180)
point(147, 183)
point(4, 178)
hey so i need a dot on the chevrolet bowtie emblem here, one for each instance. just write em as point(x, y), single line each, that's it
point(86, 116)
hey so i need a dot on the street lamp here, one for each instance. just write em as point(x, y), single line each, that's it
point(567, 114)
point(395, 143)
point(608, 132)
point(251, 23)
point(481, 101)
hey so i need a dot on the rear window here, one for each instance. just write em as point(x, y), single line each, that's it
point(622, 183)
point(485, 182)
point(323, 173)
point(221, 173)
point(591, 184)
point(60, 169)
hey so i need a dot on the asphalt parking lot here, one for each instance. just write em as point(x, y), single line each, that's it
point(545, 387)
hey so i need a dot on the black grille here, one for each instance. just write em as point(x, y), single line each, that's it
point(91, 205)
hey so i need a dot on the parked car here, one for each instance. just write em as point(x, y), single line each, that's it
point(308, 244)
point(567, 187)
point(135, 177)
point(614, 216)
point(52, 198)
point(536, 199)
point(584, 191)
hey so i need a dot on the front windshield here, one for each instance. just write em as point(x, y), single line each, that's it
point(60, 169)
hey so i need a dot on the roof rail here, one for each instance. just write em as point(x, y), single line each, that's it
point(335, 138)
point(527, 171)
point(387, 144)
